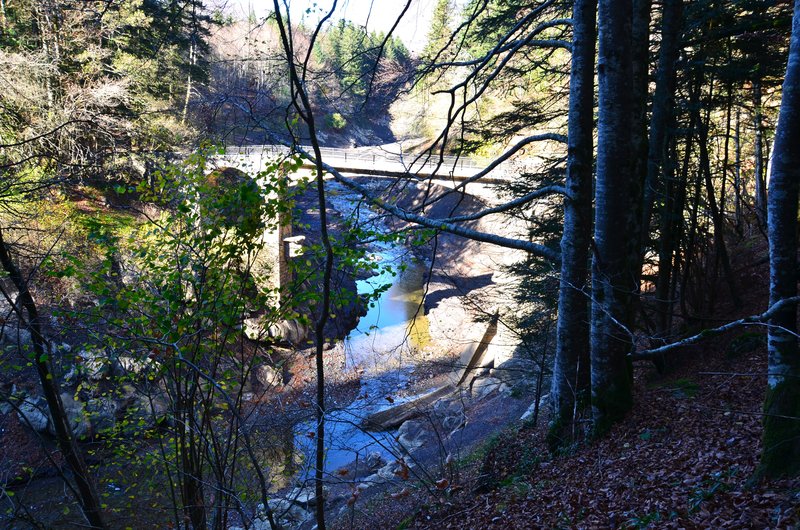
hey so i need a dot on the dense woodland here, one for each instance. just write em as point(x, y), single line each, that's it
point(654, 150)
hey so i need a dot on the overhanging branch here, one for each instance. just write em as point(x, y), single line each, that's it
point(763, 318)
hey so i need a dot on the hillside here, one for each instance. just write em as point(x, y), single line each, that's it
point(683, 458)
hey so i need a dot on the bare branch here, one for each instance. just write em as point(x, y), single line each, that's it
point(763, 318)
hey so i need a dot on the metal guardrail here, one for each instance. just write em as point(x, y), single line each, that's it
point(374, 160)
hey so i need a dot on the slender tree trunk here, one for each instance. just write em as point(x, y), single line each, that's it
point(302, 104)
point(781, 442)
point(726, 151)
point(663, 102)
point(737, 172)
point(721, 250)
point(640, 55)
point(571, 363)
point(89, 499)
point(760, 184)
point(670, 230)
point(661, 118)
point(187, 98)
point(611, 275)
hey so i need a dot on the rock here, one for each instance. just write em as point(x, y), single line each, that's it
point(144, 411)
point(33, 412)
point(450, 414)
point(412, 435)
point(13, 335)
point(76, 415)
point(285, 331)
point(542, 404)
point(391, 471)
point(305, 497)
point(95, 365)
point(516, 372)
point(374, 461)
point(132, 365)
point(254, 330)
point(285, 512)
point(290, 331)
point(483, 386)
point(102, 414)
point(269, 376)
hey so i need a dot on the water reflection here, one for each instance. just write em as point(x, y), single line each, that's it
point(379, 348)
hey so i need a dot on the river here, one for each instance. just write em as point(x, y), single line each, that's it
point(379, 348)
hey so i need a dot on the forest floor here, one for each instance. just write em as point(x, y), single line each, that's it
point(684, 457)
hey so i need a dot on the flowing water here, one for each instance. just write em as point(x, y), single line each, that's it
point(379, 349)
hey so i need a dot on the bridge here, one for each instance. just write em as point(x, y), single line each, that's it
point(377, 162)
point(381, 162)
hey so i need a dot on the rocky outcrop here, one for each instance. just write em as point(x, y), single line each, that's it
point(291, 332)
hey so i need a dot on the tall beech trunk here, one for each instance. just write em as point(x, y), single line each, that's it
point(781, 443)
point(571, 365)
point(25, 305)
point(723, 195)
point(661, 118)
point(611, 275)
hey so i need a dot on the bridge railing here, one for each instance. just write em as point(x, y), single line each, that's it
point(356, 159)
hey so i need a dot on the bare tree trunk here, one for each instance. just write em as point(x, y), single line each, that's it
point(737, 172)
point(89, 499)
point(726, 150)
point(661, 118)
point(781, 442)
point(640, 55)
point(670, 230)
point(303, 106)
point(760, 184)
point(662, 102)
point(611, 275)
point(187, 98)
point(571, 363)
point(721, 250)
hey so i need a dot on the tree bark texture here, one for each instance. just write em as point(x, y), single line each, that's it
point(781, 442)
point(758, 177)
point(571, 363)
point(88, 497)
point(663, 103)
point(611, 276)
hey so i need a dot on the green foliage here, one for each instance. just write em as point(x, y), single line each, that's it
point(88, 87)
point(364, 67)
point(176, 324)
point(335, 121)
point(709, 486)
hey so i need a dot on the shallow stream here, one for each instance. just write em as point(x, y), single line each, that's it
point(379, 349)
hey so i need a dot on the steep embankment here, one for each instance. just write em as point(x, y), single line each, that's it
point(683, 458)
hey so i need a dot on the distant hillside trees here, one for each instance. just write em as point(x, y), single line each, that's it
point(92, 83)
